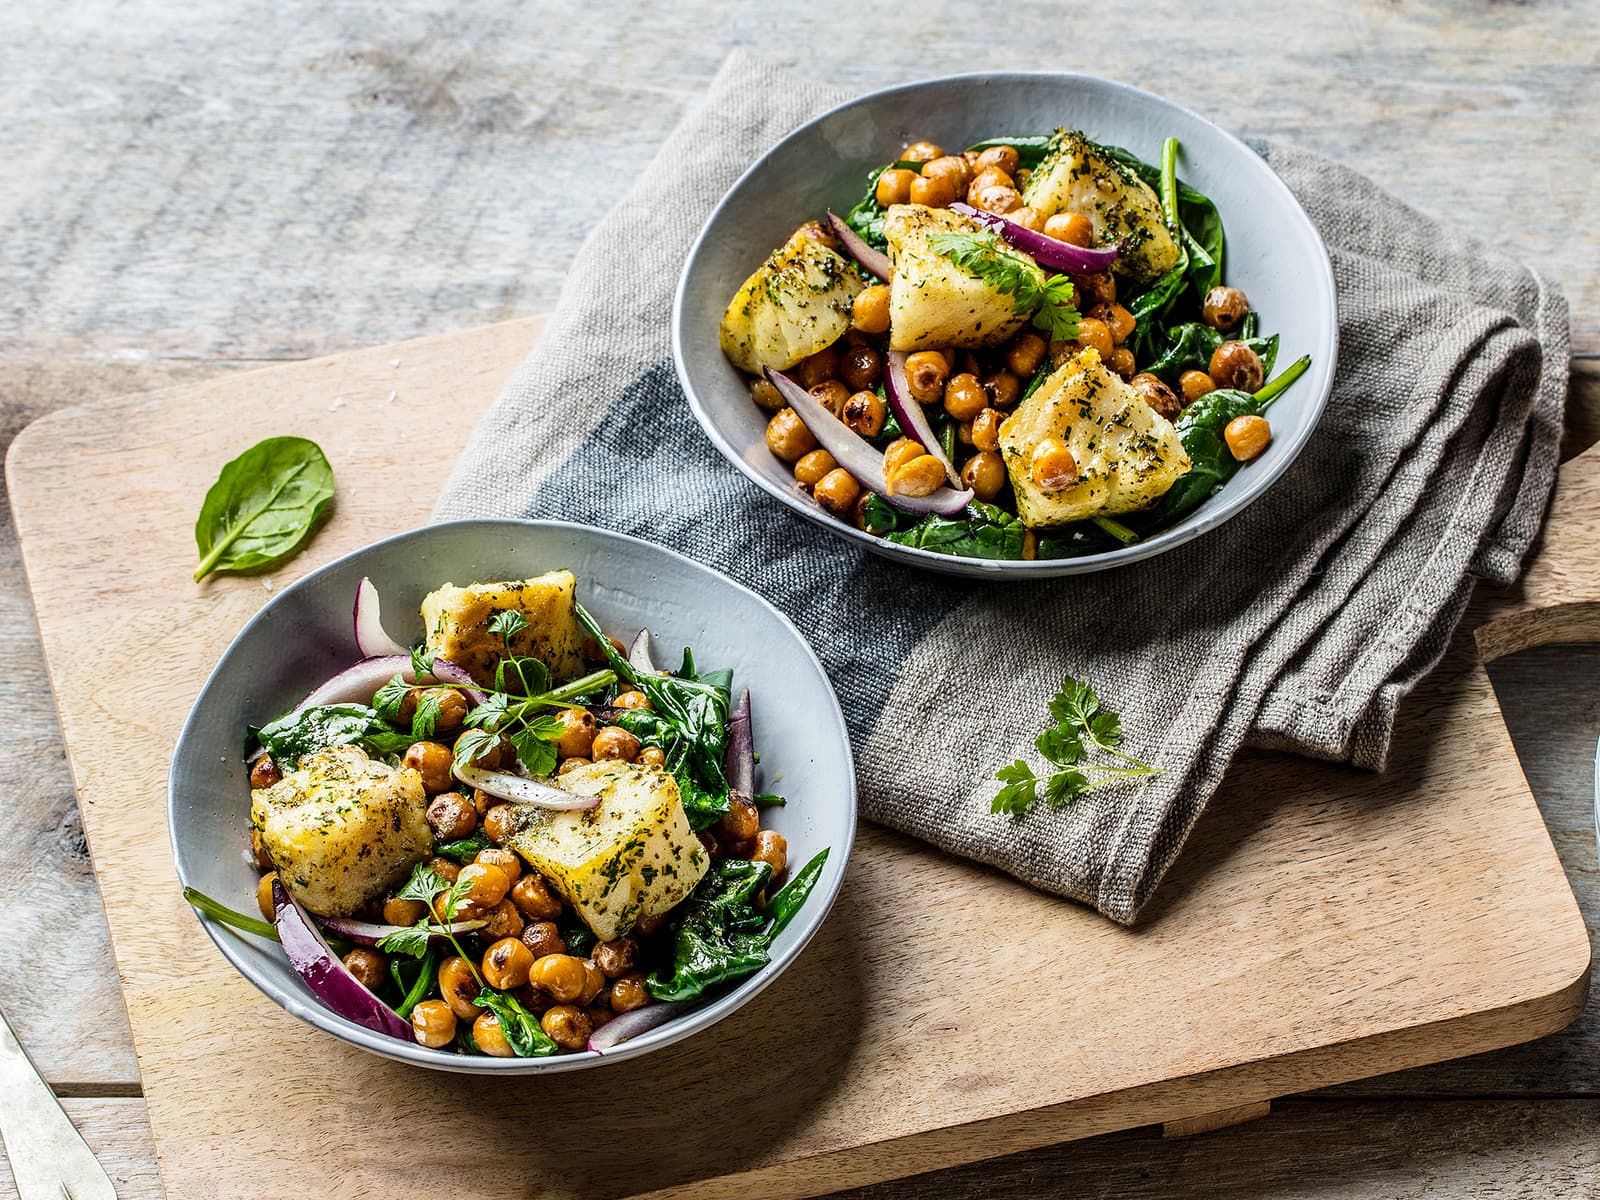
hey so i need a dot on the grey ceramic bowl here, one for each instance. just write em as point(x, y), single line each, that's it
point(303, 635)
point(1273, 253)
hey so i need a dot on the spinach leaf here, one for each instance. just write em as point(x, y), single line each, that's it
point(1199, 225)
point(721, 936)
point(880, 515)
point(464, 850)
point(294, 735)
point(1031, 150)
point(579, 937)
point(783, 906)
point(1075, 541)
point(1190, 346)
point(521, 1027)
point(263, 505)
point(985, 532)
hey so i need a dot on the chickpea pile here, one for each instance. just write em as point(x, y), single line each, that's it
point(975, 390)
point(530, 945)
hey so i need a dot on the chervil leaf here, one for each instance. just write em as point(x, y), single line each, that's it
point(426, 719)
point(1057, 315)
point(425, 883)
point(538, 754)
point(453, 898)
point(1074, 704)
point(386, 700)
point(1021, 791)
point(474, 744)
point(422, 662)
point(985, 256)
point(508, 623)
point(413, 942)
point(1064, 787)
point(489, 714)
point(1105, 729)
point(1060, 745)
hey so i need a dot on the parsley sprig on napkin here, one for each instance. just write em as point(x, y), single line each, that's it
point(1084, 729)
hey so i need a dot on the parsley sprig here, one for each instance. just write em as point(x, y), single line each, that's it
point(1083, 727)
point(426, 883)
point(984, 256)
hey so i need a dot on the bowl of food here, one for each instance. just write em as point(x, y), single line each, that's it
point(535, 813)
point(1036, 324)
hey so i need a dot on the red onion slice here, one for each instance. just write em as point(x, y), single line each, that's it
point(1045, 250)
point(856, 455)
point(522, 789)
point(366, 933)
point(631, 1024)
point(639, 654)
point(356, 685)
point(739, 764)
point(328, 978)
point(910, 415)
point(874, 262)
point(371, 639)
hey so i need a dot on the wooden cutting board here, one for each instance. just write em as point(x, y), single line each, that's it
point(1324, 924)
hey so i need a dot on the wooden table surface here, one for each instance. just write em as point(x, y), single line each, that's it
point(198, 188)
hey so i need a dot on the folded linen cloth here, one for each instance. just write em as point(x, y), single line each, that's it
point(1298, 625)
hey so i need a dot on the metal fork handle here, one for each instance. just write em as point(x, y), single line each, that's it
point(49, 1158)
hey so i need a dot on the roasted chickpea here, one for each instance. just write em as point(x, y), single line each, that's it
point(1247, 436)
point(1001, 158)
point(921, 152)
point(998, 199)
point(1235, 365)
point(506, 964)
point(964, 397)
point(628, 993)
point(507, 860)
point(1099, 288)
point(593, 653)
point(653, 756)
point(594, 982)
point(535, 898)
point(1073, 228)
point(599, 1013)
point(617, 957)
point(788, 437)
point(926, 372)
point(451, 817)
point(773, 849)
point(899, 452)
point(446, 869)
point(894, 186)
point(264, 901)
point(837, 491)
point(459, 987)
point(432, 761)
point(562, 975)
point(645, 926)
point(1029, 218)
point(1157, 395)
point(501, 921)
point(258, 851)
point(919, 477)
point(499, 823)
point(567, 1026)
point(264, 772)
point(1052, 467)
point(831, 394)
point(1026, 352)
point(403, 912)
point(812, 467)
point(953, 167)
point(632, 699)
point(1002, 389)
point(1092, 332)
point(542, 937)
point(452, 707)
point(740, 822)
point(572, 764)
point(1121, 362)
point(818, 232)
point(577, 732)
point(489, 1036)
point(865, 412)
point(860, 368)
point(615, 742)
point(766, 395)
point(485, 886)
point(985, 178)
point(985, 474)
point(1194, 384)
point(1118, 320)
point(936, 191)
point(1224, 308)
point(985, 430)
point(870, 310)
point(818, 368)
point(433, 1024)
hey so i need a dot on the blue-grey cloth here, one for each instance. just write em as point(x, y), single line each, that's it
point(1297, 626)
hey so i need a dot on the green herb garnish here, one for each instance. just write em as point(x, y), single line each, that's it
point(1083, 728)
point(983, 256)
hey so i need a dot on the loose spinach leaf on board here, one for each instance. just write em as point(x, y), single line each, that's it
point(294, 735)
point(985, 532)
point(263, 505)
point(521, 1027)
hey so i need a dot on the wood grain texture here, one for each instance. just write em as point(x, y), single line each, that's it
point(1315, 939)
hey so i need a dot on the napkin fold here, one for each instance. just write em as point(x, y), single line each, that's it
point(1299, 625)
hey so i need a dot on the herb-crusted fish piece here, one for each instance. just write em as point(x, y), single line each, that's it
point(457, 623)
point(1079, 176)
point(796, 303)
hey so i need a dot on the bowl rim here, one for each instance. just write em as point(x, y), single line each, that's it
point(818, 907)
point(1197, 523)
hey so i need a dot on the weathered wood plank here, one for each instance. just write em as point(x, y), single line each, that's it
point(119, 1134)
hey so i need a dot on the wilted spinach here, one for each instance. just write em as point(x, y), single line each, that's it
point(521, 1027)
point(986, 531)
point(866, 218)
point(263, 505)
point(294, 735)
point(1189, 347)
point(1031, 150)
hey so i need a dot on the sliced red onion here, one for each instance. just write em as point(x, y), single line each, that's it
point(639, 654)
point(328, 978)
point(522, 789)
point(1045, 250)
point(910, 415)
point(856, 455)
point(366, 933)
point(874, 262)
point(371, 639)
point(356, 685)
point(631, 1024)
point(739, 764)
